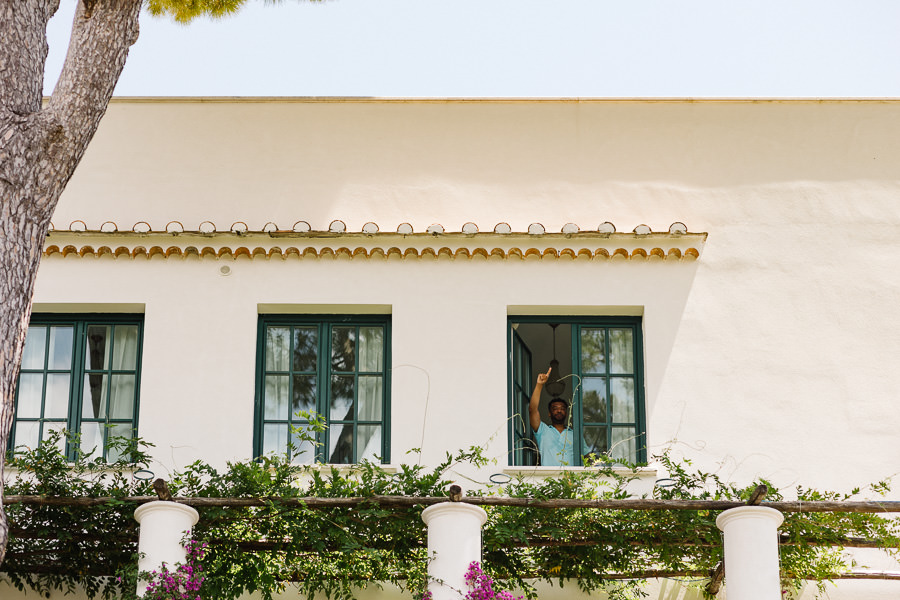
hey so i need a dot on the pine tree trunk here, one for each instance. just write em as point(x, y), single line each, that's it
point(20, 247)
point(40, 148)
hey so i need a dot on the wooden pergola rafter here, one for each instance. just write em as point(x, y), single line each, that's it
point(715, 575)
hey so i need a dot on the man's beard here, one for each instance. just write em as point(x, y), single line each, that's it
point(558, 420)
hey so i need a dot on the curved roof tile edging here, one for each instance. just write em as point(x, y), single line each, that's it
point(654, 253)
point(435, 242)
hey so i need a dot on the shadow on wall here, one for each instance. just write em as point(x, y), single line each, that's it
point(673, 589)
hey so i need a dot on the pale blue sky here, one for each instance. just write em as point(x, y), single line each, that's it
point(519, 48)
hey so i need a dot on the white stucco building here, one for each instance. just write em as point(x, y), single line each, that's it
point(721, 275)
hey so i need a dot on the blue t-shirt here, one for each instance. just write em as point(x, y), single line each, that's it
point(555, 447)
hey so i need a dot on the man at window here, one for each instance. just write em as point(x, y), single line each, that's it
point(554, 443)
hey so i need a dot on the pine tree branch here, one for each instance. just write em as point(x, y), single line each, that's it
point(102, 33)
point(23, 54)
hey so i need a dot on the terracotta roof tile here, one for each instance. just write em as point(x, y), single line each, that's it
point(572, 243)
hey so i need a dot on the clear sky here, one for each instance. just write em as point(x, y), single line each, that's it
point(518, 48)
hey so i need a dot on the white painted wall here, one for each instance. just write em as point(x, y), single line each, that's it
point(707, 163)
point(448, 322)
point(773, 355)
point(773, 351)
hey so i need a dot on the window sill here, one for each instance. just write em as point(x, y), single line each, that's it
point(347, 469)
point(641, 472)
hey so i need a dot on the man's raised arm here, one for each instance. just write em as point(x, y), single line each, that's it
point(534, 414)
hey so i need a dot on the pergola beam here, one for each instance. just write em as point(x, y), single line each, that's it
point(787, 506)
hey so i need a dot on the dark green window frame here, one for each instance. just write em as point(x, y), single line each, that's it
point(593, 430)
point(331, 388)
point(102, 384)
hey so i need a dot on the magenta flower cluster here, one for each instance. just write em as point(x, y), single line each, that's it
point(481, 587)
point(183, 583)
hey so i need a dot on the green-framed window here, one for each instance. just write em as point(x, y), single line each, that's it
point(601, 366)
point(335, 366)
point(79, 373)
point(521, 384)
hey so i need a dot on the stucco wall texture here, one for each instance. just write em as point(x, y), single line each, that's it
point(450, 162)
point(774, 354)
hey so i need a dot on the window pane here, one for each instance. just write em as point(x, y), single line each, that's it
point(523, 442)
point(122, 430)
point(94, 398)
point(371, 348)
point(621, 353)
point(594, 440)
point(61, 428)
point(622, 391)
point(342, 394)
point(30, 388)
point(60, 348)
point(91, 438)
point(304, 450)
point(97, 347)
point(519, 417)
point(368, 444)
point(304, 394)
point(276, 400)
point(593, 350)
point(623, 444)
point(343, 348)
point(27, 434)
point(527, 381)
point(593, 397)
point(306, 340)
point(370, 393)
point(278, 341)
point(275, 438)
point(56, 401)
point(517, 362)
point(35, 344)
point(125, 347)
point(340, 449)
point(121, 402)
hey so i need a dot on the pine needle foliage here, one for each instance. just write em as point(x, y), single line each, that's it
point(277, 547)
point(185, 11)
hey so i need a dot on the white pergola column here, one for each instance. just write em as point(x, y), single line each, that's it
point(751, 552)
point(163, 526)
point(454, 541)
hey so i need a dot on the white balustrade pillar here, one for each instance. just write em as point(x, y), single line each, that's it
point(454, 541)
point(163, 526)
point(751, 552)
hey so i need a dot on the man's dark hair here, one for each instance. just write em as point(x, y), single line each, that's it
point(552, 400)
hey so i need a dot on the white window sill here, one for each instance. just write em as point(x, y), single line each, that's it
point(347, 469)
point(641, 472)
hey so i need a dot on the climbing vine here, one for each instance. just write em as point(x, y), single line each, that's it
point(288, 540)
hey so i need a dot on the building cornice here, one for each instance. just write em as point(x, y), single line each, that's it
point(591, 245)
point(496, 100)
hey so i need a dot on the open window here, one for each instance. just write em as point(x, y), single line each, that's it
point(597, 369)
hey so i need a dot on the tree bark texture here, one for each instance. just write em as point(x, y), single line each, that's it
point(40, 146)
